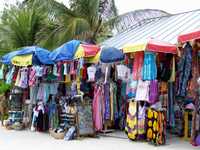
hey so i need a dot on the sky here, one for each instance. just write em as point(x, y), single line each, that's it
point(123, 6)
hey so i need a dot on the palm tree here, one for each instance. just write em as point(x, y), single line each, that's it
point(49, 24)
point(83, 19)
point(19, 26)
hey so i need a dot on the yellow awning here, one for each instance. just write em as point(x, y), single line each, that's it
point(131, 48)
point(80, 52)
point(22, 60)
point(94, 59)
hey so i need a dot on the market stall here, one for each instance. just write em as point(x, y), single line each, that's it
point(109, 101)
point(150, 90)
point(76, 78)
point(27, 67)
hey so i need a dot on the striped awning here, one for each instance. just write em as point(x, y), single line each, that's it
point(166, 29)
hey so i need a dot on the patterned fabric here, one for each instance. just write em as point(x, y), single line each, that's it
point(156, 127)
point(136, 121)
point(142, 123)
point(131, 121)
point(107, 112)
point(184, 70)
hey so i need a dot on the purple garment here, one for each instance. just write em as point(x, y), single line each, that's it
point(142, 123)
point(153, 95)
point(107, 101)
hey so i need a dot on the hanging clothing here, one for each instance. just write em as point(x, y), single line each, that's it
point(32, 76)
point(97, 108)
point(115, 108)
point(9, 75)
point(193, 92)
point(137, 65)
point(165, 69)
point(74, 89)
point(173, 72)
point(18, 78)
point(39, 71)
point(33, 94)
point(123, 72)
point(141, 122)
point(55, 70)
point(156, 127)
point(149, 69)
point(184, 70)
point(91, 73)
point(131, 121)
point(53, 115)
point(153, 95)
point(107, 113)
point(171, 99)
point(142, 92)
point(131, 88)
point(98, 73)
point(23, 83)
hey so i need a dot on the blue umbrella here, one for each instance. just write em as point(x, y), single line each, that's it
point(6, 59)
point(40, 55)
point(65, 52)
point(111, 54)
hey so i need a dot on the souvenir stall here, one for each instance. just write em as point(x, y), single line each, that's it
point(188, 75)
point(109, 102)
point(150, 90)
point(74, 75)
point(26, 70)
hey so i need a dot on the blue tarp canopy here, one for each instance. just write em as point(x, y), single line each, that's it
point(6, 59)
point(111, 54)
point(65, 52)
point(40, 55)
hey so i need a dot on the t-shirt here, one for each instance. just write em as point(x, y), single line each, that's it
point(142, 92)
point(39, 71)
point(91, 73)
point(123, 72)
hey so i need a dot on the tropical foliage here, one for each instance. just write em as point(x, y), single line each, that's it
point(20, 25)
point(48, 23)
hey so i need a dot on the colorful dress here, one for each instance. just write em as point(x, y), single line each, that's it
point(131, 121)
point(156, 125)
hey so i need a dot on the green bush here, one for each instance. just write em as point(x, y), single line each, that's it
point(4, 87)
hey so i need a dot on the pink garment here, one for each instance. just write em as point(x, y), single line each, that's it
point(97, 111)
point(32, 76)
point(72, 69)
point(137, 65)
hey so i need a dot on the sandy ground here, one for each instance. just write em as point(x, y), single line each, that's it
point(27, 140)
